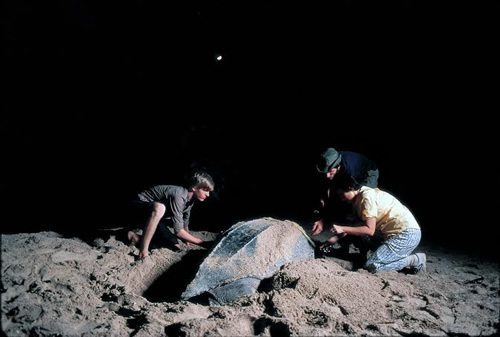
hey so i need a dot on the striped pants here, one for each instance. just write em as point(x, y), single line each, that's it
point(393, 253)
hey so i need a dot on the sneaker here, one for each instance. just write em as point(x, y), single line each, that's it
point(422, 263)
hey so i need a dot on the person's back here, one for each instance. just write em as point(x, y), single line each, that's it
point(161, 192)
point(391, 215)
point(358, 168)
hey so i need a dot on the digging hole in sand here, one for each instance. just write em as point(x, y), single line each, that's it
point(170, 285)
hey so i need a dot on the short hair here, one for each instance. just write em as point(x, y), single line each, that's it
point(201, 179)
point(347, 183)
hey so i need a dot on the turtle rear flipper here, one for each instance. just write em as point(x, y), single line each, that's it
point(231, 291)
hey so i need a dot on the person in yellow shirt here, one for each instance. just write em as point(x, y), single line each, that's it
point(381, 212)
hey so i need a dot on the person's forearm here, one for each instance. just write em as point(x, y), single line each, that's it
point(367, 228)
point(361, 230)
point(186, 236)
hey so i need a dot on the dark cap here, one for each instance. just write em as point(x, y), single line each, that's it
point(328, 160)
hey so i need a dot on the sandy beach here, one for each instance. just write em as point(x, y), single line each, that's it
point(56, 285)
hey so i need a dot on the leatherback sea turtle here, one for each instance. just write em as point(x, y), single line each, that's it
point(247, 253)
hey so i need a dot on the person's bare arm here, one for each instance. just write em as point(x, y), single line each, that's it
point(186, 236)
point(368, 228)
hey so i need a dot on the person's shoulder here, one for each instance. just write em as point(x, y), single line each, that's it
point(352, 154)
point(350, 158)
point(178, 190)
point(356, 157)
point(346, 155)
point(387, 194)
point(368, 192)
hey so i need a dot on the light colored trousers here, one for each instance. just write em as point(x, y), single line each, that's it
point(393, 253)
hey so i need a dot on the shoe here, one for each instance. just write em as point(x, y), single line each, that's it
point(421, 265)
point(423, 262)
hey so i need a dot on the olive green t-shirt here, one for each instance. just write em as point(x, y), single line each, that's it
point(175, 198)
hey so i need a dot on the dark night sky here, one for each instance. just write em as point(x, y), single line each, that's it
point(104, 99)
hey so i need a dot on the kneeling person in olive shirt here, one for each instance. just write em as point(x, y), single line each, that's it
point(173, 204)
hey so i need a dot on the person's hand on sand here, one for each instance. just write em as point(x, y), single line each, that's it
point(317, 227)
point(143, 254)
point(206, 244)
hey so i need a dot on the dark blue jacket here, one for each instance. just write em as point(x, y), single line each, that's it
point(359, 169)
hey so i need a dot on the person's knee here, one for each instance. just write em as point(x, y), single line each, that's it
point(373, 264)
point(159, 210)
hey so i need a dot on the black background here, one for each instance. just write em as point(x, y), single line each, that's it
point(104, 99)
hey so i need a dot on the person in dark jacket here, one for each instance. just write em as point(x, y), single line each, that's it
point(340, 167)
